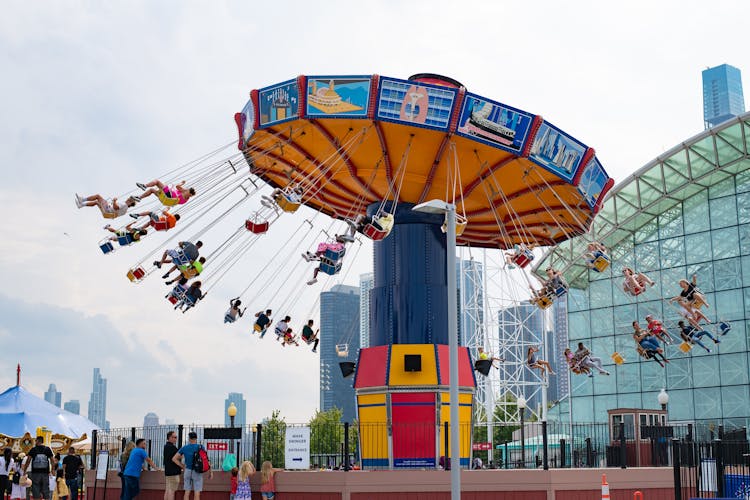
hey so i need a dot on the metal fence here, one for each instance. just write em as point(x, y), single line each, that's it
point(719, 468)
point(538, 445)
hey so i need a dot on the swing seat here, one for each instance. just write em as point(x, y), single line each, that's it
point(160, 225)
point(342, 350)
point(543, 302)
point(461, 224)
point(617, 358)
point(257, 328)
point(256, 227)
point(330, 268)
point(483, 366)
point(286, 205)
point(374, 233)
point(166, 200)
point(523, 259)
point(189, 272)
point(686, 347)
point(642, 352)
point(180, 259)
point(136, 274)
point(106, 247)
point(601, 263)
point(698, 303)
point(334, 255)
point(561, 290)
point(172, 299)
point(125, 240)
point(109, 215)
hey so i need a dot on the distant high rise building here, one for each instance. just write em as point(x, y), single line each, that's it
point(169, 421)
point(73, 406)
point(151, 420)
point(53, 396)
point(98, 401)
point(722, 94)
point(239, 401)
point(366, 283)
point(339, 326)
point(470, 282)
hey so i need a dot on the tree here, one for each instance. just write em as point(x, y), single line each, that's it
point(327, 437)
point(273, 439)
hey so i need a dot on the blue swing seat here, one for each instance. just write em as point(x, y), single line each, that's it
point(334, 255)
point(106, 247)
point(330, 267)
point(125, 240)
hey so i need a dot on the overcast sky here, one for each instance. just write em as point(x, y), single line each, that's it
point(99, 95)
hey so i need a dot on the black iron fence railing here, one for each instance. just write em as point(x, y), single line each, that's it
point(409, 445)
point(719, 468)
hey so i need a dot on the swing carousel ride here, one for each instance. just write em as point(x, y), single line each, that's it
point(364, 150)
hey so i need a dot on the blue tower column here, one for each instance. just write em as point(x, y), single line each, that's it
point(408, 304)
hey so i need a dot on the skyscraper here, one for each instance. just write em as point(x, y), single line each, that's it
point(366, 283)
point(53, 396)
point(151, 420)
point(339, 326)
point(98, 401)
point(73, 406)
point(239, 401)
point(722, 94)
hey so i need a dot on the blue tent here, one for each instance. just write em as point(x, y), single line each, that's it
point(22, 412)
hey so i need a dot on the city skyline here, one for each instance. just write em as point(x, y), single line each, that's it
point(239, 401)
point(98, 400)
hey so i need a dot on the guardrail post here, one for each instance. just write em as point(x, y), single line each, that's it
point(563, 452)
point(180, 430)
point(676, 467)
point(719, 454)
point(258, 446)
point(545, 458)
point(94, 450)
point(346, 447)
point(588, 453)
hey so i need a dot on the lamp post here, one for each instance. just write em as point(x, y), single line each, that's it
point(254, 429)
point(521, 404)
point(663, 398)
point(449, 209)
point(232, 412)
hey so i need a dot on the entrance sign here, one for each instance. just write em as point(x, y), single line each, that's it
point(297, 449)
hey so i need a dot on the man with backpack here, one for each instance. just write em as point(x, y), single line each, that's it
point(41, 461)
point(193, 460)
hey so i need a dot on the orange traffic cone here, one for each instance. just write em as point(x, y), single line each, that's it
point(605, 487)
point(637, 495)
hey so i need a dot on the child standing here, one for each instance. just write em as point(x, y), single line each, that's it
point(233, 483)
point(243, 491)
point(267, 486)
point(61, 490)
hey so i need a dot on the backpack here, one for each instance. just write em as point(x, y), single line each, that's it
point(200, 461)
point(40, 461)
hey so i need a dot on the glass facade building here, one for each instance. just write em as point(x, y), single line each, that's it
point(722, 94)
point(339, 327)
point(686, 213)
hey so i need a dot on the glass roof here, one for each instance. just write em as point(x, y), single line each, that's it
point(700, 162)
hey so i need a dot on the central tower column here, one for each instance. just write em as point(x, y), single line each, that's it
point(408, 304)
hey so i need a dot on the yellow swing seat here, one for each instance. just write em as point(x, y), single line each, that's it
point(166, 200)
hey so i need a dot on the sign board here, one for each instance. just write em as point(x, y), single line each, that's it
point(102, 464)
point(481, 446)
point(297, 448)
point(222, 433)
point(214, 446)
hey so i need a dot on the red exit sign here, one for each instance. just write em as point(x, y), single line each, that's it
point(481, 446)
point(213, 446)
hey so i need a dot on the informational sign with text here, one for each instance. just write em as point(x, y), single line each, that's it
point(297, 449)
